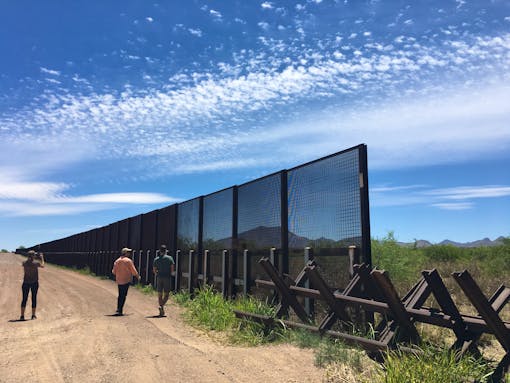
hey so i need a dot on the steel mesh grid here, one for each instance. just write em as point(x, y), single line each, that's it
point(324, 213)
point(259, 222)
point(324, 203)
point(217, 221)
point(187, 225)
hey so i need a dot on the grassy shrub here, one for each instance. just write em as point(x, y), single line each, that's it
point(208, 310)
point(304, 338)
point(145, 289)
point(487, 265)
point(249, 332)
point(402, 263)
point(432, 365)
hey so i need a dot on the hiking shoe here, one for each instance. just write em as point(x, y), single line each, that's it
point(34, 317)
point(161, 311)
point(22, 318)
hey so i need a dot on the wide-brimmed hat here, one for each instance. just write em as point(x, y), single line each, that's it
point(31, 252)
point(126, 250)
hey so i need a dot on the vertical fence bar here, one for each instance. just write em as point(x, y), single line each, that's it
point(205, 272)
point(140, 255)
point(230, 262)
point(246, 271)
point(191, 271)
point(272, 256)
point(155, 283)
point(177, 270)
point(365, 208)
point(224, 276)
point(147, 266)
point(309, 303)
point(283, 265)
point(353, 260)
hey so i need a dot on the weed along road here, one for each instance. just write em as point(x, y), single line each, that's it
point(75, 338)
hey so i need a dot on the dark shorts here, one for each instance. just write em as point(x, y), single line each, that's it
point(163, 284)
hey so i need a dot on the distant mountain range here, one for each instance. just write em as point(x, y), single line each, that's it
point(264, 236)
point(481, 242)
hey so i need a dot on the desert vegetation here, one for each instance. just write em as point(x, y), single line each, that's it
point(433, 361)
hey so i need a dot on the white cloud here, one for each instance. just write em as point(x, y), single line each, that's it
point(454, 206)
point(218, 165)
point(149, 19)
point(266, 5)
point(263, 25)
point(196, 32)
point(117, 198)
point(453, 198)
point(197, 116)
point(50, 71)
point(34, 191)
point(471, 192)
point(46, 198)
point(215, 14)
point(52, 80)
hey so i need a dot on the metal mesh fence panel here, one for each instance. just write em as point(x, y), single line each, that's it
point(324, 214)
point(148, 241)
point(123, 234)
point(187, 234)
point(217, 230)
point(166, 228)
point(135, 229)
point(259, 224)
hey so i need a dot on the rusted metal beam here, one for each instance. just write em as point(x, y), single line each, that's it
point(446, 303)
point(336, 307)
point(423, 315)
point(484, 308)
point(398, 311)
point(284, 291)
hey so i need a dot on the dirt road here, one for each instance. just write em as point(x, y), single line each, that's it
point(75, 338)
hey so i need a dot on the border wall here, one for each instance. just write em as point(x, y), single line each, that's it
point(317, 210)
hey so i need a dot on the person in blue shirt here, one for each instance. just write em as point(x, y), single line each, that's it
point(163, 267)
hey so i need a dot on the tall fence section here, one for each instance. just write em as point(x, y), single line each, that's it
point(316, 210)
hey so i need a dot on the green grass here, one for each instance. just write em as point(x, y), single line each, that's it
point(431, 365)
point(209, 311)
point(145, 289)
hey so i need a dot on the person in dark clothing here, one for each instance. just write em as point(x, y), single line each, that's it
point(30, 282)
point(163, 267)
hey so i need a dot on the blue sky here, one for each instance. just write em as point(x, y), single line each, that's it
point(110, 109)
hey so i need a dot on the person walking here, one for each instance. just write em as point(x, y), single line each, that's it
point(163, 267)
point(124, 271)
point(30, 282)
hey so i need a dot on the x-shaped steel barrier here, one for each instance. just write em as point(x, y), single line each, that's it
point(373, 291)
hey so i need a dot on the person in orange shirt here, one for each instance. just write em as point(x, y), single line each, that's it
point(124, 271)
